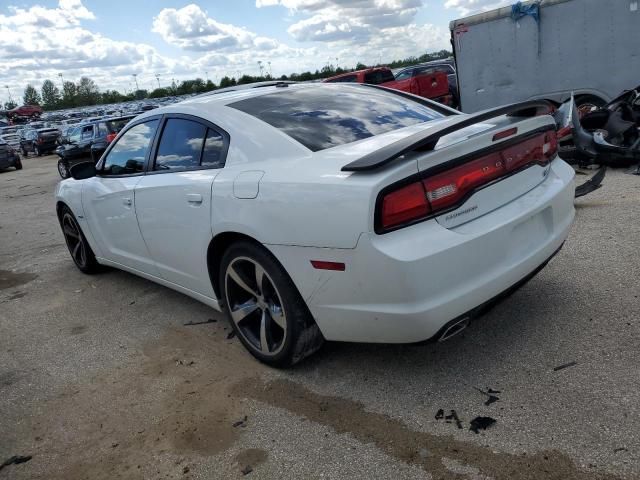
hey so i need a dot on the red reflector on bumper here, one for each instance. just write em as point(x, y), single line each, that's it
point(322, 265)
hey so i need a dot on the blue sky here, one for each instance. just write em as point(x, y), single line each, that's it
point(110, 41)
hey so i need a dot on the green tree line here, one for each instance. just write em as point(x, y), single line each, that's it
point(86, 92)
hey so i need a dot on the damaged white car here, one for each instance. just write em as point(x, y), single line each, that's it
point(312, 212)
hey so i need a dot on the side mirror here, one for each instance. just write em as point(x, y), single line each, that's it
point(84, 170)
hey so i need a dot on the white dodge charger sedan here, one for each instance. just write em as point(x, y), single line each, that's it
point(312, 212)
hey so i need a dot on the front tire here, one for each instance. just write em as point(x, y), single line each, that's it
point(264, 307)
point(77, 244)
point(18, 164)
point(37, 151)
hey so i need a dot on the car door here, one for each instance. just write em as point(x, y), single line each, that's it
point(173, 201)
point(108, 199)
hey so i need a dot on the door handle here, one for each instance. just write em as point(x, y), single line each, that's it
point(194, 198)
point(126, 202)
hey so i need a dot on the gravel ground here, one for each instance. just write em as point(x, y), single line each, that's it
point(100, 378)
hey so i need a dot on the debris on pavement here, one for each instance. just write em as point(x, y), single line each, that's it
point(453, 416)
point(481, 423)
point(246, 470)
point(491, 398)
point(191, 323)
point(231, 334)
point(15, 460)
point(565, 365)
point(240, 423)
point(186, 470)
point(440, 414)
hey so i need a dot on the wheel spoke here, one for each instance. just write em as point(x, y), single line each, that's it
point(70, 232)
point(259, 279)
point(242, 311)
point(264, 343)
point(235, 275)
point(277, 315)
point(76, 249)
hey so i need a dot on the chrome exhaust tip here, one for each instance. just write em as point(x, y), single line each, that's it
point(454, 329)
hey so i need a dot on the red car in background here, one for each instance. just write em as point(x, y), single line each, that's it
point(433, 85)
point(25, 111)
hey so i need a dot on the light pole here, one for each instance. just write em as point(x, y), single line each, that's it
point(270, 74)
point(260, 66)
point(61, 81)
point(206, 75)
point(158, 79)
point(135, 77)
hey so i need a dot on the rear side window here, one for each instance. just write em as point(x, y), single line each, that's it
point(378, 76)
point(102, 130)
point(114, 126)
point(345, 79)
point(325, 116)
point(130, 151)
point(213, 152)
point(180, 145)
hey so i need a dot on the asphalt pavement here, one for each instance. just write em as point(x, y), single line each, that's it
point(100, 378)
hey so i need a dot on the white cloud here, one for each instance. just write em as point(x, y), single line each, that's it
point(466, 7)
point(346, 20)
point(192, 29)
point(39, 43)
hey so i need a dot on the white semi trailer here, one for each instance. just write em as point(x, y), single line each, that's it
point(589, 47)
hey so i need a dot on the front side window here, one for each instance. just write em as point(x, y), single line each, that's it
point(324, 116)
point(74, 136)
point(130, 151)
point(180, 145)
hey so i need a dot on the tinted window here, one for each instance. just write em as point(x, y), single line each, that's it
point(378, 76)
point(212, 155)
point(114, 126)
point(345, 79)
point(74, 136)
point(87, 132)
point(180, 145)
point(324, 116)
point(128, 154)
point(102, 130)
point(403, 75)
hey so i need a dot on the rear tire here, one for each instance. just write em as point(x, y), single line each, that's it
point(264, 307)
point(37, 151)
point(63, 169)
point(77, 244)
point(18, 164)
point(24, 152)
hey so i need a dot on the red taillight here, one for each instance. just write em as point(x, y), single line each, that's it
point(404, 205)
point(111, 136)
point(446, 190)
point(40, 140)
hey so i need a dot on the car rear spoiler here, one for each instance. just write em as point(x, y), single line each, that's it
point(427, 140)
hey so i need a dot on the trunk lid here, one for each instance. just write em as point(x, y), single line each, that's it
point(484, 145)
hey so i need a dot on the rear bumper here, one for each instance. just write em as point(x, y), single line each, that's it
point(405, 286)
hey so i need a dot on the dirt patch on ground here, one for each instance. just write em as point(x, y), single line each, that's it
point(9, 279)
point(174, 402)
point(443, 457)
